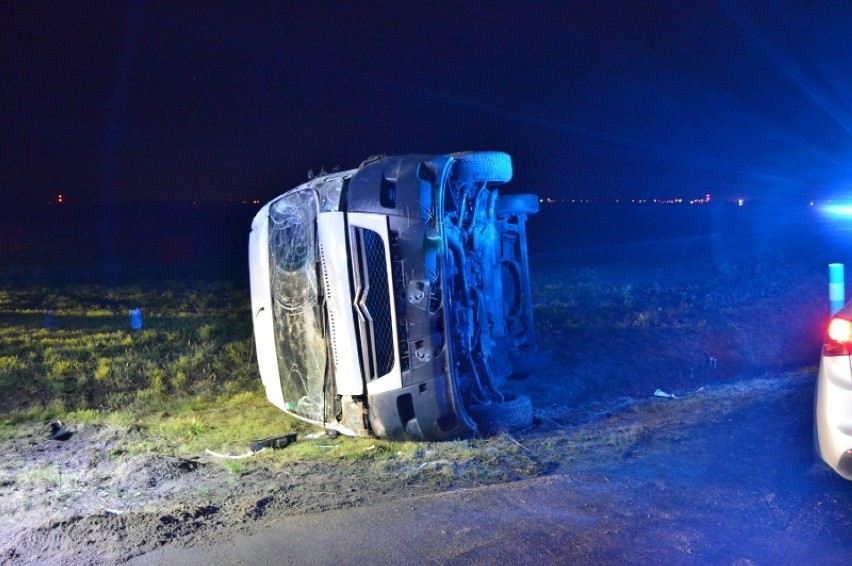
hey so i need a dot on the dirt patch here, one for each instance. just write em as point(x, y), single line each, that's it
point(723, 477)
point(85, 500)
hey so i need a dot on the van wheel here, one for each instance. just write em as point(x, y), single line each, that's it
point(515, 413)
point(478, 166)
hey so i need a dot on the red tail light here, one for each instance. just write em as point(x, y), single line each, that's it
point(838, 340)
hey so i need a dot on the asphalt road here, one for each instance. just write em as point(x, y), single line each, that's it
point(743, 489)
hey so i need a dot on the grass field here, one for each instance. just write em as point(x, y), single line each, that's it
point(189, 377)
point(83, 354)
point(185, 382)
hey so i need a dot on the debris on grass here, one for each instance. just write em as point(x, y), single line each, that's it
point(661, 393)
point(275, 442)
point(258, 446)
point(436, 464)
point(248, 454)
point(58, 431)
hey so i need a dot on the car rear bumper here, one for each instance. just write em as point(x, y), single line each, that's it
point(834, 413)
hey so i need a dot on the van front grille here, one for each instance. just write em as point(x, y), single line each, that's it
point(375, 304)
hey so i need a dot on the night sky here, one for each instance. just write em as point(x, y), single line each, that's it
point(601, 100)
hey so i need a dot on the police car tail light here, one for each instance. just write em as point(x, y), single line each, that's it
point(838, 340)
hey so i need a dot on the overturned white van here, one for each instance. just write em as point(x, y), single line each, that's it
point(393, 299)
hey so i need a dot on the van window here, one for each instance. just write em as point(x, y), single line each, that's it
point(299, 340)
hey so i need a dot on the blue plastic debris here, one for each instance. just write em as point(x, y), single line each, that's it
point(136, 319)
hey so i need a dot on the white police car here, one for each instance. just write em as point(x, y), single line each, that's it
point(833, 403)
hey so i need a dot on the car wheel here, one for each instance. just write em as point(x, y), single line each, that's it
point(488, 166)
point(517, 204)
point(512, 414)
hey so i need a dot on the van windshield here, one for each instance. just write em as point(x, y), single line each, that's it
point(299, 340)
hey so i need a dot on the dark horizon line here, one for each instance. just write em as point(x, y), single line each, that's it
point(545, 200)
point(98, 202)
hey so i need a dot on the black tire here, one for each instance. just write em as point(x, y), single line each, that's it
point(512, 414)
point(530, 362)
point(493, 167)
point(517, 204)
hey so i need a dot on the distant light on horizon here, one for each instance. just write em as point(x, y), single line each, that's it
point(829, 207)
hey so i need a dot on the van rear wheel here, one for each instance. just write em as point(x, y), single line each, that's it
point(515, 413)
point(493, 167)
